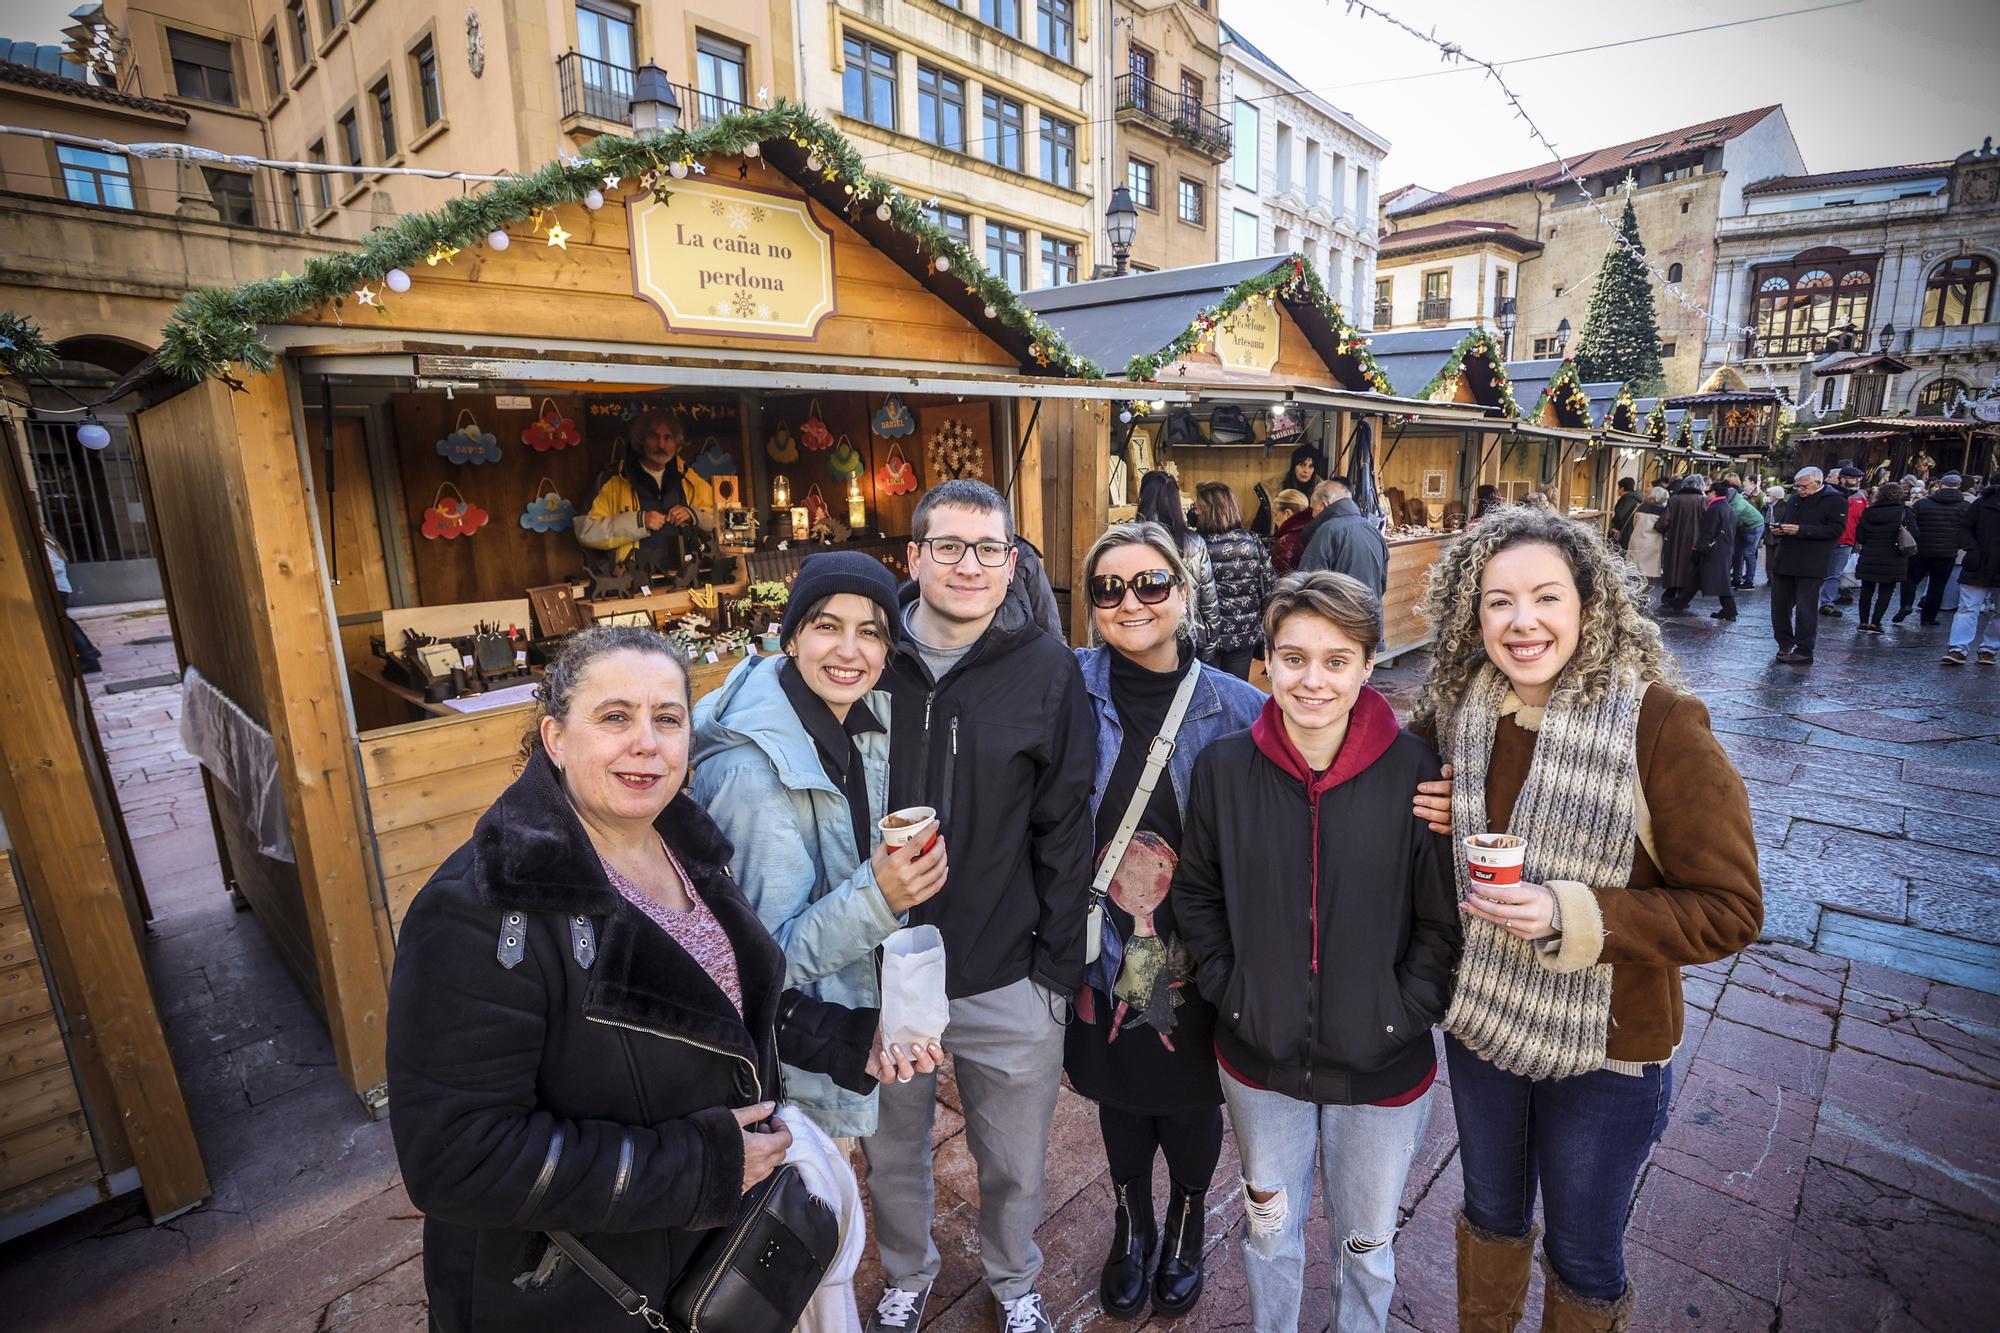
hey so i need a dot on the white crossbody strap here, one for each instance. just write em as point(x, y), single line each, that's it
point(1157, 754)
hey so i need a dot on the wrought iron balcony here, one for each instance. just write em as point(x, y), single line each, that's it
point(1167, 110)
point(600, 90)
point(1434, 308)
point(1383, 313)
point(1791, 344)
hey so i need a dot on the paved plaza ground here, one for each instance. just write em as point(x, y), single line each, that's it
point(1833, 1160)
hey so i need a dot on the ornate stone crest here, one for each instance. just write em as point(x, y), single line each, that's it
point(475, 44)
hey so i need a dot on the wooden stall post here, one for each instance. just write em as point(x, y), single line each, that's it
point(66, 851)
point(1089, 427)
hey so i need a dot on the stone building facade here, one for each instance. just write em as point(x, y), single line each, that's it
point(1171, 141)
point(1303, 178)
point(1452, 273)
point(1686, 180)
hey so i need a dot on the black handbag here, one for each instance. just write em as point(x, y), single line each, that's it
point(1182, 428)
point(1227, 424)
point(755, 1275)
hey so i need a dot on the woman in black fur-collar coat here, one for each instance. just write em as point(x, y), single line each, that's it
point(586, 1019)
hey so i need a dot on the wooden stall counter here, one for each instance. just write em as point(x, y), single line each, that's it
point(1410, 560)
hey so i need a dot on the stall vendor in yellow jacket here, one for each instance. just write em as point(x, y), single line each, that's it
point(655, 503)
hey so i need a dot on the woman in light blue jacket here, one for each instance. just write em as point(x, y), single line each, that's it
point(791, 760)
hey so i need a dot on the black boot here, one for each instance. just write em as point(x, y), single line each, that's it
point(1134, 1240)
point(1177, 1286)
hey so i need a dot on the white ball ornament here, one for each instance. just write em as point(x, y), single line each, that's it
point(594, 200)
point(751, 149)
point(943, 264)
point(498, 239)
point(678, 171)
point(396, 280)
point(92, 435)
point(882, 212)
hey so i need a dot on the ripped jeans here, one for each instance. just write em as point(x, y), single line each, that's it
point(1364, 1154)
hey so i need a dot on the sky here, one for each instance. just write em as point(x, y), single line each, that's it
point(1874, 83)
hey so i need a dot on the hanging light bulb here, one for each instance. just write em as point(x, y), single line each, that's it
point(594, 200)
point(992, 312)
point(91, 434)
point(497, 239)
point(751, 149)
point(814, 161)
point(1125, 417)
point(678, 171)
point(882, 210)
point(944, 263)
point(396, 280)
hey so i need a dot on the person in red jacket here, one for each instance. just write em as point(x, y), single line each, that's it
point(1831, 595)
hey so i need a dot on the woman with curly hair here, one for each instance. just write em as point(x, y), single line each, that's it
point(1557, 705)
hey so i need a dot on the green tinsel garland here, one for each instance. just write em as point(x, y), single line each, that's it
point(23, 349)
point(1483, 345)
point(1684, 436)
point(1296, 282)
point(216, 326)
point(1623, 409)
point(1565, 389)
point(1656, 422)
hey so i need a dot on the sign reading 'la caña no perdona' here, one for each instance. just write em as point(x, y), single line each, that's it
point(724, 259)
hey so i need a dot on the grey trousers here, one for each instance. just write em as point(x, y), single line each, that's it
point(1006, 1047)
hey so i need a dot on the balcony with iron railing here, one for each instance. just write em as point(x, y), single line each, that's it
point(1384, 314)
point(595, 89)
point(1434, 309)
point(1183, 118)
point(1788, 344)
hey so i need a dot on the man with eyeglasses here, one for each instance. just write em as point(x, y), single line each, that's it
point(990, 726)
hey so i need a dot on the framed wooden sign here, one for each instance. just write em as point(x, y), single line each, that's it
point(731, 259)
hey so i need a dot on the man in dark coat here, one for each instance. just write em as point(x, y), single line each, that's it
point(1680, 532)
point(1715, 545)
point(1345, 540)
point(1938, 518)
point(1622, 512)
point(1978, 582)
point(1805, 525)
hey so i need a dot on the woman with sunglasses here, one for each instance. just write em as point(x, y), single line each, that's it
point(1142, 1046)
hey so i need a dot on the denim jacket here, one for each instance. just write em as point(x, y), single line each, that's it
point(793, 855)
point(1221, 704)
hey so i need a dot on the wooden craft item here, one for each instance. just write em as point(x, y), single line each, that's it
point(447, 520)
point(845, 460)
point(814, 433)
point(895, 476)
point(467, 443)
point(555, 609)
point(551, 430)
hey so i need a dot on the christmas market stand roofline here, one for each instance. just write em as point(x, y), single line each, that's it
point(219, 331)
point(1560, 397)
point(1449, 365)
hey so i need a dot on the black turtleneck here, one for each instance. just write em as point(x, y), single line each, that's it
point(834, 740)
point(1140, 698)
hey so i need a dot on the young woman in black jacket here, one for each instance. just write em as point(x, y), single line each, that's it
point(1882, 563)
point(1325, 920)
point(586, 1018)
point(1242, 572)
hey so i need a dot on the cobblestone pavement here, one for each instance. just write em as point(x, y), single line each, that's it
point(1831, 1163)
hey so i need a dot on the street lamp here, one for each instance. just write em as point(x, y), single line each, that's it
point(1506, 320)
point(1885, 338)
point(1562, 338)
point(1121, 224)
point(654, 106)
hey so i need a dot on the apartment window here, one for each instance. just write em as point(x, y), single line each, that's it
point(1139, 180)
point(1002, 14)
point(1007, 254)
point(350, 144)
point(430, 93)
point(295, 195)
point(1058, 262)
point(1193, 95)
point(1001, 130)
point(1139, 62)
point(1437, 295)
point(1667, 350)
point(1243, 239)
point(1501, 279)
point(1358, 285)
point(1684, 208)
point(720, 75)
point(1055, 27)
point(1682, 173)
point(202, 68)
point(604, 34)
point(1559, 292)
point(1364, 203)
point(1058, 152)
point(1281, 240)
point(1938, 396)
point(91, 177)
point(1312, 171)
point(336, 13)
point(1194, 209)
point(1336, 183)
point(1798, 306)
point(301, 32)
point(1544, 347)
point(1959, 291)
point(958, 226)
point(868, 85)
point(324, 179)
point(940, 108)
point(385, 117)
point(1284, 162)
point(1385, 300)
point(274, 65)
point(232, 195)
point(1674, 272)
point(1248, 145)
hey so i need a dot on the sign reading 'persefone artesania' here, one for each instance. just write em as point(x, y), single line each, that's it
point(1248, 339)
point(724, 259)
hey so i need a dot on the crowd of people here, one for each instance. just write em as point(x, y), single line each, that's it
point(670, 923)
point(1827, 541)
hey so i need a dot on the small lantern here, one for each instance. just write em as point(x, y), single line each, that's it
point(654, 106)
point(857, 509)
point(781, 491)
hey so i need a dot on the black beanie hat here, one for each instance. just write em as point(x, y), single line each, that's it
point(826, 573)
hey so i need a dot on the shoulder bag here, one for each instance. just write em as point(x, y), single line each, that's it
point(1157, 754)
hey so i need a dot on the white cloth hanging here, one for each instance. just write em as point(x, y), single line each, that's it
point(830, 1176)
point(241, 756)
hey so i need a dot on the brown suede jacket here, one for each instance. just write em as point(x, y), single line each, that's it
point(1701, 901)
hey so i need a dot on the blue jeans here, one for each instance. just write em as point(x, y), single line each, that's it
point(1974, 605)
point(1743, 560)
point(1364, 1155)
point(1583, 1140)
point(1843, 556)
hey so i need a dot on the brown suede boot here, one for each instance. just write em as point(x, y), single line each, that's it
point(1492, 1277)
point(1563, 1311)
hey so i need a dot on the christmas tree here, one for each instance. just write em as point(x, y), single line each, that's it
point(1620, 342)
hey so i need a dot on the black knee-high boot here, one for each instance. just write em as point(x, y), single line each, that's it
point(1134, 1240)
point(1177, 1286)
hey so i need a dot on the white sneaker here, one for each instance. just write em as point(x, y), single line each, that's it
point(898, 1309)
point(1024, 1314)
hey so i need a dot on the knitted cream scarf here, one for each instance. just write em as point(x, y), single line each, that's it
point(1576, 812)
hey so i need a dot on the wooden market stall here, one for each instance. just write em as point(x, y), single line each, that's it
point(91, 1106)
point(1231, 366)
point(821, 352)
point(1554, 448)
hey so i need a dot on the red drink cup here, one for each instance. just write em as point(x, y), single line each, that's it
point(1494, 860)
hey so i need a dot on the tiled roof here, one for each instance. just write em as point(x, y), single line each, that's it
point(27, 76)
point(1832, 179)
point(1632, 153)
point(1437, 234)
